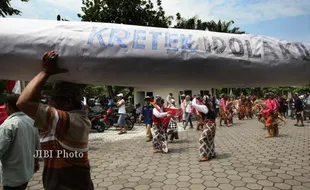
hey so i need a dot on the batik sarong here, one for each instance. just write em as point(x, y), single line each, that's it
point(160, 138)
point(272, 124)
point(207, 147)
point(223, 114)
point(241, 112)
point(173, 130)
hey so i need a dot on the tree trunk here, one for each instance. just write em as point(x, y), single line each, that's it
point(110, 91)
point(131, 89)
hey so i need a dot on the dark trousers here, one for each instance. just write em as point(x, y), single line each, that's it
point(22, 187)
point(188, 120)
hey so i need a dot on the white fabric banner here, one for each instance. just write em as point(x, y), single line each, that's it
point(101, 53)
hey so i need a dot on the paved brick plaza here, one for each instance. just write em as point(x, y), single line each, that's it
point(246, 161)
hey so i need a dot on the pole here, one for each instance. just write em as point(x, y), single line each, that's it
point(22, 85)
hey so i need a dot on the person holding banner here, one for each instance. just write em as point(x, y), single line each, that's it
point(64, 128)
point(161, 121)
point(207, 147)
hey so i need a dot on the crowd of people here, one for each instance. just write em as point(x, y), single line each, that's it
point(163, 121)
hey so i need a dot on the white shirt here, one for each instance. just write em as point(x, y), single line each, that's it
point(160, 114)
point(217, 102)
point(122, 108)
point(19, 140)
point(188, 106)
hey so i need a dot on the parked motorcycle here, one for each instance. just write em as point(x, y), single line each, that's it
point(98, 123)
point(97, 119)
point(111, 119)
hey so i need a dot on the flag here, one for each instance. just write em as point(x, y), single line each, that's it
point(3, 114)
point(14, 86)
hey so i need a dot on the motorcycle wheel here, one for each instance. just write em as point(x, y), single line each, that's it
point(100, 127)
point(129, 124)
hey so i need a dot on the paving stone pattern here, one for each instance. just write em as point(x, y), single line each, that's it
point(246, 161)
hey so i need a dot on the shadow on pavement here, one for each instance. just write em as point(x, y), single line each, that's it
point(221, 156)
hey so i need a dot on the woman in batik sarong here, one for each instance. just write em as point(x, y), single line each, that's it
point(260, 106)
point(161, 121)
point(223, 110)
point(200, 116)
point(230, 110)
point(248, 108)
point(272, 116)
point(275, 110)
point(207, 147)
point(241, 111)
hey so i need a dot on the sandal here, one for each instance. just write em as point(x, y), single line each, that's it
point(203, 159)
point(295, 124)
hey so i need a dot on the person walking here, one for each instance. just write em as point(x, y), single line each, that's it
point(147, 112)
point(64, 128)
point(188, 109)
point(298, 110)
point(121, 104)
point(183, 96)
point(19, 142)
point(170, 99)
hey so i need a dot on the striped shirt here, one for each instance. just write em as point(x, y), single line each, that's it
point(64, 136)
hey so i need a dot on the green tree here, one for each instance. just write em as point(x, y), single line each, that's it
point(195, 23)
point(135, 12)
point(94, 90)
point(223, 26)
point(7, 10)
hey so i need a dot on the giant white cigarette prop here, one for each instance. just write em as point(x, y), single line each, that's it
point(101, 53)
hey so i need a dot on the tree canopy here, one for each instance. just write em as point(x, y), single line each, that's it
point(7, 10)
point(195, 23)
point(135, 12)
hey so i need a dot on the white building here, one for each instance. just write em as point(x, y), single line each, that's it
point(141, 92)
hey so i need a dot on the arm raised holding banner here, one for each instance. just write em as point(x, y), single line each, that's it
point(28, 101)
